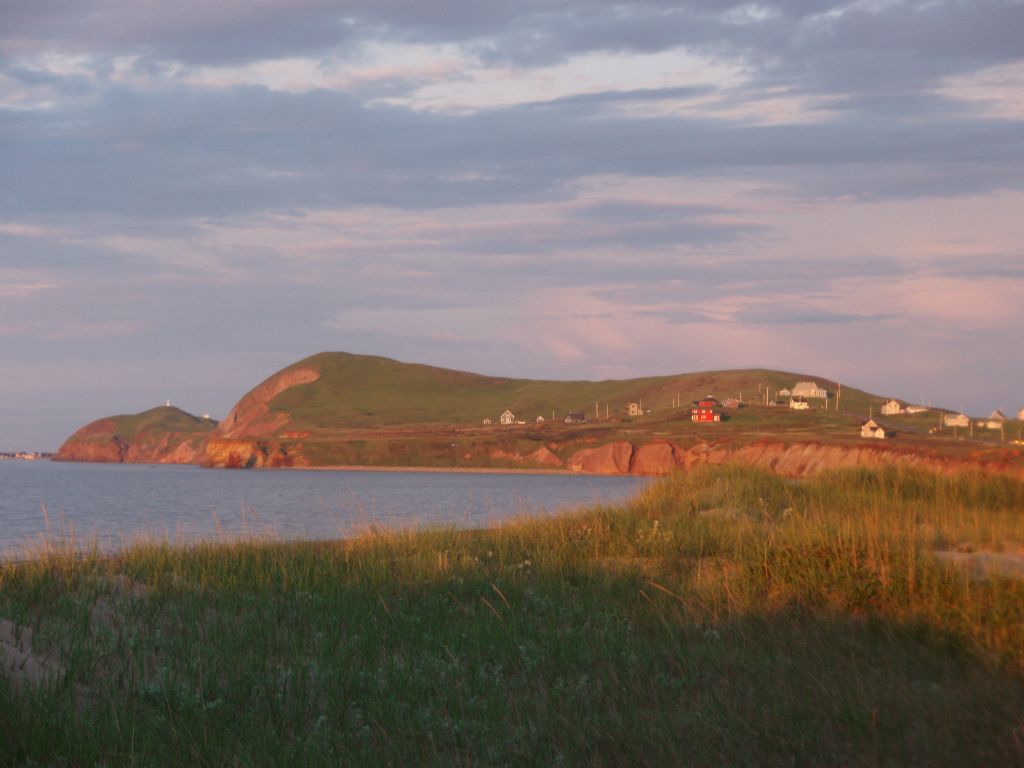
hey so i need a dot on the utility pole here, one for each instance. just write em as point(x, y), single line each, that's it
point(597, 411)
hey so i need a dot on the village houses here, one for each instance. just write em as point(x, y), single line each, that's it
point(507, 417)
point(805, 389)
point(892, 408)
point(873, 429)
point(996, 420)
point(705, 410)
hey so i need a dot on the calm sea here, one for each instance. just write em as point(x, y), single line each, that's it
point(112, 504)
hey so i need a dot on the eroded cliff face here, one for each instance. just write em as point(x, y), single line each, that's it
point(608, 459)
point(250, 435)
point(653, 458)
point(251, 417)
point(792, 460)
point(252, 454)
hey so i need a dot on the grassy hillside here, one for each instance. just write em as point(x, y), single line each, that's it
point(160, 420)
point(725, 617)
point(364, 391)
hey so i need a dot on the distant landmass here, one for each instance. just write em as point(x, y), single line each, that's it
point(341, 409)
point(163, 435)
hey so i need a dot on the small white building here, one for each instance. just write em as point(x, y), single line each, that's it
point(487, 421)
point(635, 409)
point(799, 405)
point(892, 408)
point(1020, 415)
point(507, 417)
point(956, 420)
point(539, 420)
point(916, 409)
point(873, 429)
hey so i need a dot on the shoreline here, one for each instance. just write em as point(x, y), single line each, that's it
point(364, 468)
point(435, 470)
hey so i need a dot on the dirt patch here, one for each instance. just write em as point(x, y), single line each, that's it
point(621, 566)
point(19, 664)
point(25, 667)
point(545, 458)
point(983, 565)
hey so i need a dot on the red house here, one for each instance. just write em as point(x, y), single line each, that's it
point(705, 410)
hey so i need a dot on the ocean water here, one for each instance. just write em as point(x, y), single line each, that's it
point(109, 505)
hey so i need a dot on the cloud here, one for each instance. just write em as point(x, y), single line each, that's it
point(199, 154)
point(19, 283)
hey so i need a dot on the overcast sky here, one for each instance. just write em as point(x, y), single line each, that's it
point(197, 194)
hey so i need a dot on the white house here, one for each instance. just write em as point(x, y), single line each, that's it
point(996, 420)
point(1020, 414)
point(956, 420)
point(634, 409)
point(507, 417)
point(808, 389)
point(892, 408)
point(871, 428)
point(539, 420)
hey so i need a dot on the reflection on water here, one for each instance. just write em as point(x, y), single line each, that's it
point(111, 504)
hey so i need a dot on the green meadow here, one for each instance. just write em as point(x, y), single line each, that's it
point(369, 391)
point(724, 617)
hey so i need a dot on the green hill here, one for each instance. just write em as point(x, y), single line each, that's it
point(367, 391)
point(164, 418)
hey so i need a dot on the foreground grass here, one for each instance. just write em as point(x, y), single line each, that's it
point(724, 617)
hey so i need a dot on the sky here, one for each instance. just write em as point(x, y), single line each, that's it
point(198, 194)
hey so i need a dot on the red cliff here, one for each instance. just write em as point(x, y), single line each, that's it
point(164, 435)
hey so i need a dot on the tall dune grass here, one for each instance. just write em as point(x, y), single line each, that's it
point(725, 616)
